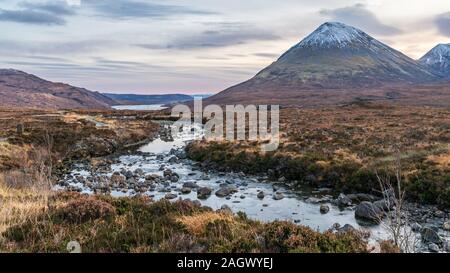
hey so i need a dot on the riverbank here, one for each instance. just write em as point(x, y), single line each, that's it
point(160, 172)
point(344, 148)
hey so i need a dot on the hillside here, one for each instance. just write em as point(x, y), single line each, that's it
point(19, 89)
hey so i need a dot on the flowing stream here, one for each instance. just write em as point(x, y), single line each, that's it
point(299, 206)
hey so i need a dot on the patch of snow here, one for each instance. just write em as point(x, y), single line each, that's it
point(334, 34)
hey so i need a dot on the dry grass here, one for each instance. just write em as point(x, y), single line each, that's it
point(20, 205)
point(196, 224)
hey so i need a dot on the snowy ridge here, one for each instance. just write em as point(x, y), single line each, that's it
point(339, 35)
point(439, 55)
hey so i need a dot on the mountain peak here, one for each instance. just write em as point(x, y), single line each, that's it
point(438, 59)
point(334, 34)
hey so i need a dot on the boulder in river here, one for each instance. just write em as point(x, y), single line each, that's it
point(223, 192)
point(324, 209)
point(346, 228)
point(186, 190)
point(433, 248)
point(171, 196)
point(191, 185)
point(446, 226)
point(260, 195)
point(447, 246)
point(416, 227)
point(343, 200)
point(369, 212)
point(430, 236)
point(278, 196)
point(203, 193)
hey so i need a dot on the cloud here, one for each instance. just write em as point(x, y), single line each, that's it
point(267, 55)
point(359, 16)
point(30, 17)
point(8, 47)
point(123, 9)
point(222, 36)
point(55, 8)
point(48, 13)
point(442, 22)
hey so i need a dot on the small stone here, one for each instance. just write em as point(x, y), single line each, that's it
point(278, 196)
point(416, 227)
point(260, 195)
point(225, 209)
point(185, 190)
point(167, 173)
point(343, 200)
point(324, 209)
point(346, 228)
point(191, 185)
point(446, 225)
point(170, 196)
point(433, 248)
point(447, 246)
point(336, 226)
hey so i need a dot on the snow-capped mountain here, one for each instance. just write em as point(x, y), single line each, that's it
point(438, 59)
point(335, 34)
point(334, 56)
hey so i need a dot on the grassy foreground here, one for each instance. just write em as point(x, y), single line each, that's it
point(47, 223)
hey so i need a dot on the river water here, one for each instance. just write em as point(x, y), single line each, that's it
point(299, 206)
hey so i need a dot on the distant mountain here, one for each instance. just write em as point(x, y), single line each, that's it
point(19, 89)
point(438, 59)
point(132, 99)
point(333, 57)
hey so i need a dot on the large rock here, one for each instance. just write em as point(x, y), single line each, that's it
point(223, 192)
point(346, 228)
point(191, 185)
point(203, 193)
point(360, 197)
point(433, 248)
point(368, 212)
point(343, 200)
point(430, 236)
point(324, 209)
point(384, 205)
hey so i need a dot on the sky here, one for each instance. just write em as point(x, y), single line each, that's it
point(191, 46)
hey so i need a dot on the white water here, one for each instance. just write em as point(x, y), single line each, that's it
point(294, 207)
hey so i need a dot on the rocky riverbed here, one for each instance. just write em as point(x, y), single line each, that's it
point(161, 169)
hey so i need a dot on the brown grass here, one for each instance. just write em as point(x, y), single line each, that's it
point(196, 224)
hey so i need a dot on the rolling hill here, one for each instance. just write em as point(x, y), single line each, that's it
point(19, 89)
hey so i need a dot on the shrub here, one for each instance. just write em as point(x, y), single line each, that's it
point(85, 209)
